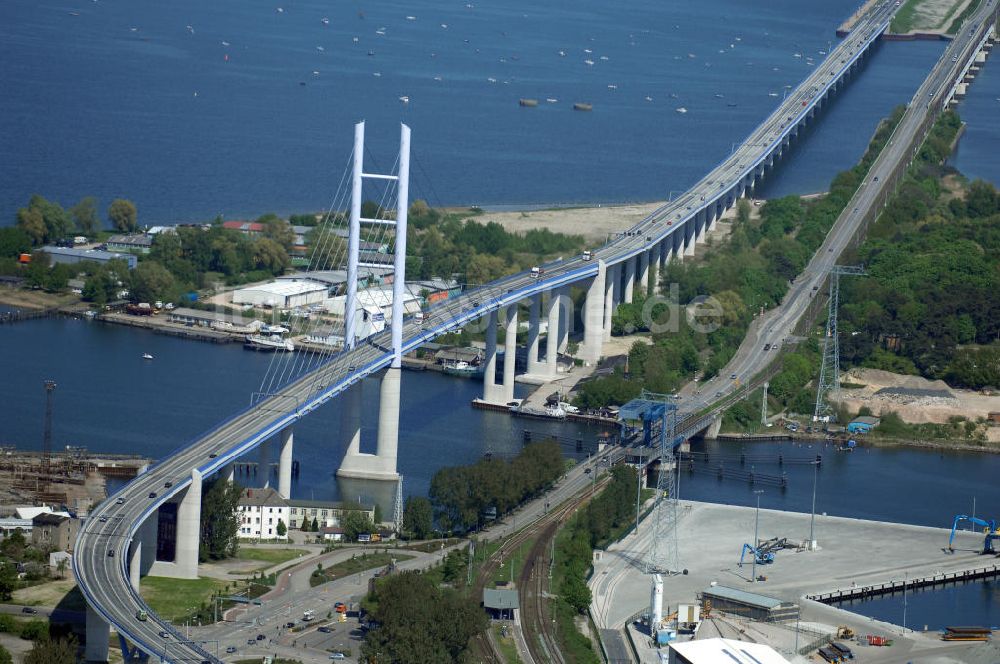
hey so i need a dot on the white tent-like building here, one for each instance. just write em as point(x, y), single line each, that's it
point(281, 294)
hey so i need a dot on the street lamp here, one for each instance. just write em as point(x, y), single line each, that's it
point(812, 516)
point(756, 522)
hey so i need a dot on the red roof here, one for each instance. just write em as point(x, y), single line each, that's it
point(244, 226)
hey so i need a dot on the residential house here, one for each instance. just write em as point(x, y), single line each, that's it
point(54, 531)
point(259, 511)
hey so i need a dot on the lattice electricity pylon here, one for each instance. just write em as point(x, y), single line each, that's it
point(763, 407)
point(829, 370)
point(397, 511)
point(652, 408)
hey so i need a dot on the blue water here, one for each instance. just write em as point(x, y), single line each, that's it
point(976, 153)
point(159, 115)
point(111, 400)
point(974, 603)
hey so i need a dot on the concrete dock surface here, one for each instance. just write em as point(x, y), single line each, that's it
point(850, 553)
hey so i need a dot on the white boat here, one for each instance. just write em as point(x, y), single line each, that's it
point(548, 412)
point(588, 62)
point(569, 408)
point(274, 329)
point(147, 356)
point(404, 99)
point(681, 109)
point(271, 343)
point(325, 21)
point(551, 100)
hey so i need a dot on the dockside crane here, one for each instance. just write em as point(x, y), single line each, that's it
point(990, 529)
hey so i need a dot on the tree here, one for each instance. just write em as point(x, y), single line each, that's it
point(419, 622)
point(220, 524)
point(282, 529)
point(327, 249)
point(8, 580)
point(13, 242)
point(57, 221)
point(354, 523)
point(5, 657)
point(123, 215)
point(278, 230)
point(85, 215)
point(306, 525)
point(61, 567)
point(150, 281)
point(378, 514)
point(418, 517)
point(61, 651)
point(271, 256)
point(482, 269)
point(32, 224)
point(315, 525)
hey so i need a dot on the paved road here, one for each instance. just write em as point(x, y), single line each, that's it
point(100, 563)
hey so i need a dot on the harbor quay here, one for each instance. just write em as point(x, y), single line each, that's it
point(849, 554)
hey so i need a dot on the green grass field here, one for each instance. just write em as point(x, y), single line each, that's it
point(174, 599)
point(354, 565)
point(271, 556)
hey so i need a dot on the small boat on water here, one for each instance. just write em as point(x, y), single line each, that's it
point(583, 106)
point(462, 369)
point(681, 110)
point(530, 103)
point(147, 356)
point(268, 343)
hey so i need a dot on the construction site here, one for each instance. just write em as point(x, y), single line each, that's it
point(72, 477)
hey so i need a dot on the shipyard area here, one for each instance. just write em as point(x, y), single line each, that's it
point(785, 599)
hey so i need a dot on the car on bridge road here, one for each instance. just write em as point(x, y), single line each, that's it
point(152, 494)
point(231, 649)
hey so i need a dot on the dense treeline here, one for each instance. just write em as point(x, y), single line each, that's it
point(417, 622)
point(602, 520)
point(932, 303)
point(463, 495)
point(443, 244)
point(752, 271)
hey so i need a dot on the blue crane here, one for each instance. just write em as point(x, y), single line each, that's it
point(763, 557)
point(989, 529)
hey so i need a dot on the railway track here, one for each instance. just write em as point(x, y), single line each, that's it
point(532, 607)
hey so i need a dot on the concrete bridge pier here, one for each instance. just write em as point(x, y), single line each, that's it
point(491, 391)
point(565, 317)
point(654, 269)
point(689, 236)
point(616, 285)
point(665, 247)
point(264, 464)
point(700, 224)
point(388, 424)
point(610, 276)
point(593, 317)
point(285, 463)
point(188, 530)
point(98, 636)
point(510, 354)
point(535, 367)
point(678, 249)
point(552, 337)
point(135, 562)
point(642, 272)
point(629, 286)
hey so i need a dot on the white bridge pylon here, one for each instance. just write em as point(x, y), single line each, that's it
point(382, 464)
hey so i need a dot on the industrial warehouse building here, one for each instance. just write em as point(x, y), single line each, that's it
point(72, 256)
point(281, 294)
point(749, 605)
point(714, 651)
